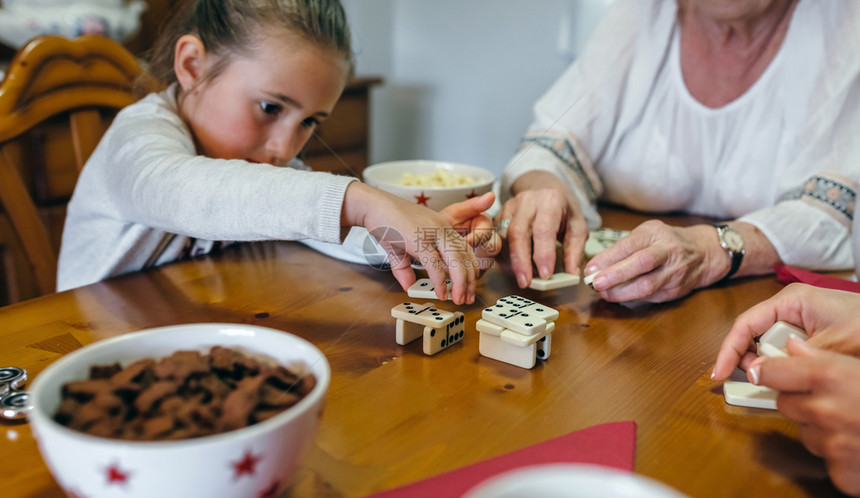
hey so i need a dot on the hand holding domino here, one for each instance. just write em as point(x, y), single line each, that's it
point(772, 343)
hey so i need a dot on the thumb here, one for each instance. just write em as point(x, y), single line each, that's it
point(468, 209)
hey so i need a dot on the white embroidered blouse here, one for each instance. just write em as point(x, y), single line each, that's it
point(621, 126)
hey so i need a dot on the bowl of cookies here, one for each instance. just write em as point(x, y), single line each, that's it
point(435, 184)
point(216, 410)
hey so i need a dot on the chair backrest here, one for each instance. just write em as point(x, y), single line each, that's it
point(56, 101)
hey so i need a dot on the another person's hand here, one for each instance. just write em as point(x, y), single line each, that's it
point(821, 391)
point(656, 263)
point(418, 232)
point(829, 318)
point(542, 210)
point(469, 219)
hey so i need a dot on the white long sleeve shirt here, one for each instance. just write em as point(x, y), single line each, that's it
point(145, 197)
point(621, 126)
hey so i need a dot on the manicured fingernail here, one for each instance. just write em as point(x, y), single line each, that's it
point(800, 342)
point(545, 272)
point(522, 281)
point(754, 373)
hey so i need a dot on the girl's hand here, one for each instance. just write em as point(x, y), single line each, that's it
point(414, 231)
point(827, 316)
point(542, 211)
point(657, 262)
point(821, 391)
point(469, 220)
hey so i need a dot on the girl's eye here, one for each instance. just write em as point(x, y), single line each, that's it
point(270, 108)
point(310, 122)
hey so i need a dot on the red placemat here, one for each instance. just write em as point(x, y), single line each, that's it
point(612, 445)
point(790, 274)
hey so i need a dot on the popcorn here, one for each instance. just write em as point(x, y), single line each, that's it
point(440, 178)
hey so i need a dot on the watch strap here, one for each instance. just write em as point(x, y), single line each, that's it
point(736, 256)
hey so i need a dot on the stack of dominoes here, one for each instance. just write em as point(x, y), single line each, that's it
point(601, 239)
point(439, 328)
point(517, 331)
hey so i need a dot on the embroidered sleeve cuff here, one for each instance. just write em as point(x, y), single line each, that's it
point(832, 193)
point(544, 154)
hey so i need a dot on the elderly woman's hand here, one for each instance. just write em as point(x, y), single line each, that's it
point(542, 210)
point(827, 316)
point(657, 263)
point(821, 391)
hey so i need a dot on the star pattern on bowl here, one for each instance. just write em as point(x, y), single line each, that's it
point(247, 465)
point(116, 475)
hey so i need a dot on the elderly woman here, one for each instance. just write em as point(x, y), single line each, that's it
point(742, 110)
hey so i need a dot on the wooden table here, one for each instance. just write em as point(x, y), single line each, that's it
point(395, 416)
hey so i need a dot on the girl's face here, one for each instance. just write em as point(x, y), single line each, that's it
point(263, 108)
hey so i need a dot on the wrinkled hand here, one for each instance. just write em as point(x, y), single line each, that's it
point(655, 263)
point(820, 390)
point(415, 231)
point(827, 316)
point(470, 221)
point(540, 214)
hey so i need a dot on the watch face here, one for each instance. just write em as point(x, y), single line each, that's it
point(733, 240)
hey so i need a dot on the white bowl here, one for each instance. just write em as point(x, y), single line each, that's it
point(571, 480)
point(387, 177)
point(244, 462)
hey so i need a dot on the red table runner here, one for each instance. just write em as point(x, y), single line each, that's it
point(790, 274)
point(612, 444)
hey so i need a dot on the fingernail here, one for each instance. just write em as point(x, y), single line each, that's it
point(545, 272)
point(754, 373)
point(799, 343)
point(522, 281)
point(713, 374)
point(590, 269)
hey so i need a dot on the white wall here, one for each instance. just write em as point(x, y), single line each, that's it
point(461, 75)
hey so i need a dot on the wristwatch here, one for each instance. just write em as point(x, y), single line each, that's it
point(731, 241)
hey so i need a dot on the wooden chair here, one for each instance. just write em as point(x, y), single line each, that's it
point(56, 101)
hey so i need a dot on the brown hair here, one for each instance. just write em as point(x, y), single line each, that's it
point(228, 27)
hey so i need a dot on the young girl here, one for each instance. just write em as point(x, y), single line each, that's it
point(204, 160)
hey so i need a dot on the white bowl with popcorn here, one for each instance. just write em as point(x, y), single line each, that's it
point(435, 184)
